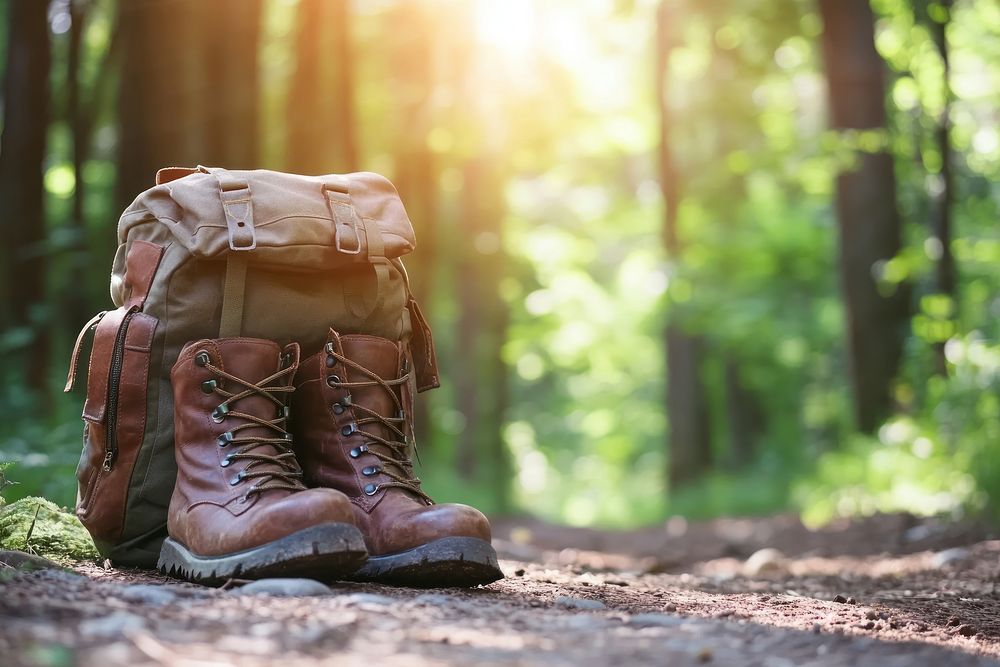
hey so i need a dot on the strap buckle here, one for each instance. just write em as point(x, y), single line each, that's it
point(345, 218)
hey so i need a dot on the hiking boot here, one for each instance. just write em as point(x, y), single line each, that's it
point(239, 507)
point(353, 425)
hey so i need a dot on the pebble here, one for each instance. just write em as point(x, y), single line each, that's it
point(284, 588)
point(655, 620)
point(519, 572)
point(967, 630)
point(147, 594)
point(367, 599)
point(764, 562)
point(578, 603)
point(434, 599)
point(27, 562)
point(111, 626)
point(950, 557)
point(839, 598)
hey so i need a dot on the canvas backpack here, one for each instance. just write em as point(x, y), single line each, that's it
point(212, 253)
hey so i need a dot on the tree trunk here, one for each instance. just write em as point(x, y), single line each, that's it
point(22, 155)
point(230, 42)
point(75, 300)
point(160, 92)
point(944, 269)
point(321, 130)
point(866, 210)
point(482, 325)
point(688, 438)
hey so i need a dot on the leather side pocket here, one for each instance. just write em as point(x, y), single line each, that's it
point(114, 417)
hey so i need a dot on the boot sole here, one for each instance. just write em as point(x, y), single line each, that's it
point(450, 562)
point(328, 551)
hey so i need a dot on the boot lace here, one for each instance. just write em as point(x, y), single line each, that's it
point(398, 466)
point(282, 468)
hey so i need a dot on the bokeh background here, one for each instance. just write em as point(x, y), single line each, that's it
point(681, 257)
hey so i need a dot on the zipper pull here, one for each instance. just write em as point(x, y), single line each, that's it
point(75, 357)
point(108, 460)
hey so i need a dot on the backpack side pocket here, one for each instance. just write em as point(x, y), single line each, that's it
point(114, 420)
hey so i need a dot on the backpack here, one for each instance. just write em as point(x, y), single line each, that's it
point(212, 253)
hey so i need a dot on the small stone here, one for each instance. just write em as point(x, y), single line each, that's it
point(147, 594)
point(670, 606)
point(655, 620)
point(871, 615)
point(578, 603)
point(367, 599)
point(435, 599)
point(284, 588)
point(851, 600)
point(950, 557)
point(519, 572)
point(26, 562)
point(920, 627)
point(840, 598)
point(967, 630)
point(867, 625)
point(111, 626)
point(616, 582)
point(764, 562)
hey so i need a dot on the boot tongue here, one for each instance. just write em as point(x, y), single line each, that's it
point(252, 360)
point(381, 357)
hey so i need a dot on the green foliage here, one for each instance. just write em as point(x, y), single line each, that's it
point(38, 526)
point(563, 106)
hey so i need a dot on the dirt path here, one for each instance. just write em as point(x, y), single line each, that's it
point(633, 605)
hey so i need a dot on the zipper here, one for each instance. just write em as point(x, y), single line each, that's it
point(117, 361)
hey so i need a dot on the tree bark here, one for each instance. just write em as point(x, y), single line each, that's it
point(75, 299)
point(870, 228)
point(321, 126)
point(688, 438)
point(160, 93)
point(940, 228)
point(22, 156)
point(230, 43)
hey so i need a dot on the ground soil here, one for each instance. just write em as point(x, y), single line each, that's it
point(890, 590)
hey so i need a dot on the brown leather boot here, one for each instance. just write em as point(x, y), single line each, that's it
point(351, 425)
point(239, 507)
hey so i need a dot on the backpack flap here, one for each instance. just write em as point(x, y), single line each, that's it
point(308, 223)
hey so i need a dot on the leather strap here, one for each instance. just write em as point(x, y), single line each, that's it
point(231, 323)
point(347, 224)
point(376, 257)
point(237, 204)
point(422, 348)
point(168, 174)
point(74, 358)
point(140, 267)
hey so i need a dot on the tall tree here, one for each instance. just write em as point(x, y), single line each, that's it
point(160, 93)
point(230, 42)
point(869, 222)
point(22, 155)
point(321, 125)
point(689, 445)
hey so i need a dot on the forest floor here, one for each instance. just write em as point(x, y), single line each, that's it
point(889, 590)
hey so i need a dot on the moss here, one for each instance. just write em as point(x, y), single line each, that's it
point(56, 533)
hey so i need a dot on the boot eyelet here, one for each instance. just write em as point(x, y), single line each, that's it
point(333, 380)
point(236, 480)
point(338, 409)
point(371, 470)
point(331, 361)
point(371, 489)
point(284, 412)
point(202, 358)
point(219, 414)
point(349, 429)
point(226, 461)
point(225, 439)
point(346, 400)
point(329, 348)
point(208, 386)
point(358, 451)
